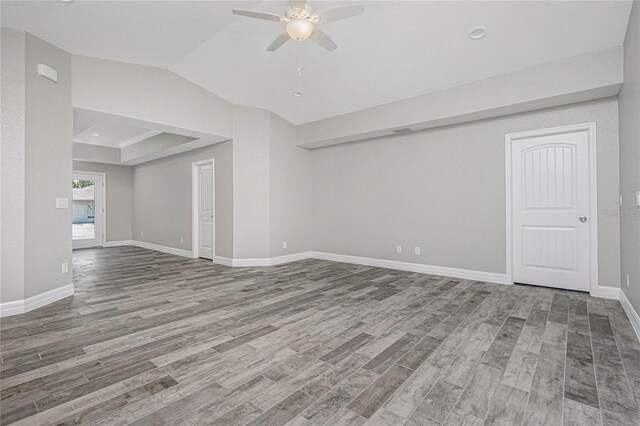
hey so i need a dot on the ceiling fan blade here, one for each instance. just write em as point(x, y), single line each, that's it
point(279, 41)
point(337, 13)
point(258, 15)
point(323, 40)
point(297, 4)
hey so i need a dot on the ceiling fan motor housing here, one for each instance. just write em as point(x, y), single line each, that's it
point(296, 12)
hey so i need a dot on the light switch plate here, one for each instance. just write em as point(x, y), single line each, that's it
point(62, 203)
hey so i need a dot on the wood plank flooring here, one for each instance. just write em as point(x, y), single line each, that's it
point(150, 338)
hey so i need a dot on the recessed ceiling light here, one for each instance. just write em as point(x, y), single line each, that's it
point(66, 1)
point(95, 134)
point(477, 33)
point(297, 94)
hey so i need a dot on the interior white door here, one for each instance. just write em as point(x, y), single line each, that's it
point(205, 211)
point(550, 199)
point(87, 210)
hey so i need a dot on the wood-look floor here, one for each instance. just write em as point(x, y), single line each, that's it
point(152, 339)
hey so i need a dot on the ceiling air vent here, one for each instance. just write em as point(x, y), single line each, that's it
point(403, 130)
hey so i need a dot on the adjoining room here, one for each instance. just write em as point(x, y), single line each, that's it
point(343, 213)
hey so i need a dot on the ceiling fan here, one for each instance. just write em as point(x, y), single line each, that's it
point(302, 22)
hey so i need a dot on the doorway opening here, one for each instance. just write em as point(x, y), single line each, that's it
point(87, 225)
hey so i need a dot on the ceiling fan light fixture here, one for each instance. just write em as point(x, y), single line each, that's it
point(300, 29)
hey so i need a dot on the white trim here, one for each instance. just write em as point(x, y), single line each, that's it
point(164, 249)
point(590, 128)
point(103, 217)
point(269, 261)
point(118, 243)
point(605, 292)
point(382, 263)
point(632, 314)
point(226, 261)
point(21, 306)
point(465, 274)
point(195, 226)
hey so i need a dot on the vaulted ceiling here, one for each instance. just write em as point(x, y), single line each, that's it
point(395, 50)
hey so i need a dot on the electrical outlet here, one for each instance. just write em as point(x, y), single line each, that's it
point(638, 199)
point(284, 244)
point(627, 280)
point(399, 249)
point(620, 200)
point(141, 234)
point(182, 240)
point(416, 250)
point(65, 268)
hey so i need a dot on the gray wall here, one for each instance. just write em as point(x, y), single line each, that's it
point(251, 183)
point(444, 190)
point(96, 153)
point(12, 165)
point(272, 183)
point(48, 134)
point(119, 195)
point(162, 199)
point(630, 160)
point(290, 195)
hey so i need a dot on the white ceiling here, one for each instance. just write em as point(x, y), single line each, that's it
point(395, 50)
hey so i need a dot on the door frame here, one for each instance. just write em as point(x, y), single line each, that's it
point(103, 217)
point(195, 201)
point(590, 128)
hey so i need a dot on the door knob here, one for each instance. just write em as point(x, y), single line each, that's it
point(582, 218)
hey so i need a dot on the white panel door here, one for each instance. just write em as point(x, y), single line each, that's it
point(205, 211)
point(550, 185)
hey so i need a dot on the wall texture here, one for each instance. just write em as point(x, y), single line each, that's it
point(370, 197)
point(251, 183)
point(48, 164)
point(162, 199)
point(12, 165)
point(119, 195)
point(290, 195)
point(630, 161)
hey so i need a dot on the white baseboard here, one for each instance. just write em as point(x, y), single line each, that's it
point(263, 261)
point(118, 243)
point(21, 306)
point(632, 314)
point(465, 274)
point(226, 261)
point(382, 263)
point(607, 292)
point(164, 249)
